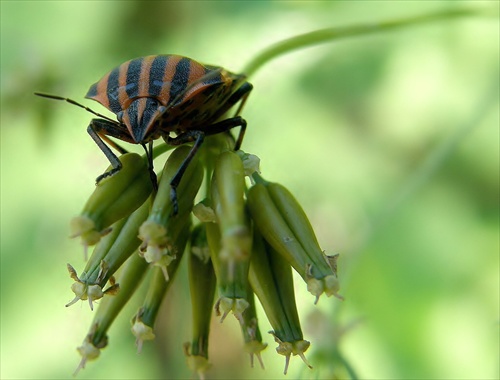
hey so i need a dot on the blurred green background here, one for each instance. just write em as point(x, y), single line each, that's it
point(390, 141)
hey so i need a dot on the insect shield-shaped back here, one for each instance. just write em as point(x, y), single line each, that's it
point(158, 94)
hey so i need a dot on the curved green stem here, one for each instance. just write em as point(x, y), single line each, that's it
point(335, 33)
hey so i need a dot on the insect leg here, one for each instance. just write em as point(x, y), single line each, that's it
point(113, 144)
point(240, 94)
point(149, 155)
point(98, 129)
point(226, 125)
point(198, 136)
point(189, 136)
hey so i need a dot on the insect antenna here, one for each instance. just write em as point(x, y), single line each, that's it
point(71, 101)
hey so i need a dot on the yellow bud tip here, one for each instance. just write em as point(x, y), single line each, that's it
point(251, 163)
point(80, 291)
point(85, 227)
point(299, 347)
point(138, 343)
point(200, 365)
point(202, 253)
point(80, 225)
point(226, 304)
point(88, 352)
point(81, 365)
point(259, 358)
point(224, 316)
point(288, 348)
point(196, 363)
point(204, 213)
point(332, 286)
point(73, 301)
point(84, 292)
point(240, 306)
point(287, 362)
point(254, 348)
point(159, 257)
point(303, 357)
point(165, 272)
point(153, 233)
point(142, 332)
point(315, 287)
point(163, 264)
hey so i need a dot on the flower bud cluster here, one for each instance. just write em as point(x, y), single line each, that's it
point(242, 245)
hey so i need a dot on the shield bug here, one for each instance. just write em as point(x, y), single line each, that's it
point(159, 95)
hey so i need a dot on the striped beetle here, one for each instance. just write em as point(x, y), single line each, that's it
point(155, 95)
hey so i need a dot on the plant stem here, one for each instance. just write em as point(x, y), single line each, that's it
point(335, 33)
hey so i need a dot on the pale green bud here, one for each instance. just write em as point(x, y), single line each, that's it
point(114, 198)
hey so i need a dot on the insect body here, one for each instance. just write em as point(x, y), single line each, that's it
point(157, 95)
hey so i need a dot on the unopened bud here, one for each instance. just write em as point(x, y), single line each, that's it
point(285, 226)
point(114, 198)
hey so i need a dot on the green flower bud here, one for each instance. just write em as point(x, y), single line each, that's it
point(143, 322)
point(251, 163)
point(91, 292)
point(232, 277)
point(114, 198)
point(271, 279)
point(291, 348)
point(230, 239)
point(251, 332)
point(228, 190)
point(162, 227)
point(88, 350)
point(130, 278)
point(284, 224)
point(204, 212)
point(111, 252)
point(202, 284)
point(225, 304)
point(196, 363)
point(142, 332)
